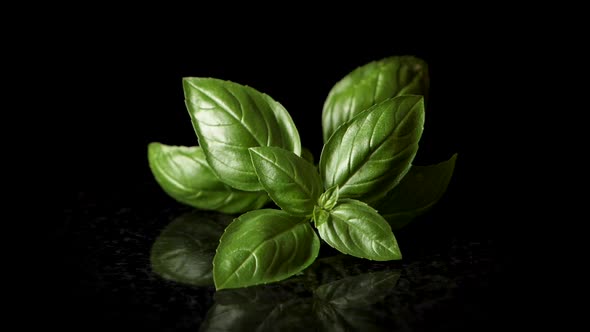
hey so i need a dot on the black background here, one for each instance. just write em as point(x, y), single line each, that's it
point(118, 90)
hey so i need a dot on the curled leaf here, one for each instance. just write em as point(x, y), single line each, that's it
point(183, 173)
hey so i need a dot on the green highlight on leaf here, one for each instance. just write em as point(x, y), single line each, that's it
point(184, 174)
point(263, 246)
point(417, 193)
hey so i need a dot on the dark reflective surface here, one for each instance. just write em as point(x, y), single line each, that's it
point(184, 250)
point(348, 303)
point(118, 91)
point(443, 283)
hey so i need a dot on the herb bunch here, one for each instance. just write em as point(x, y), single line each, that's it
point(250, 153)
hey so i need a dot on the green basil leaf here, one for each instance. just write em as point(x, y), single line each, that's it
point(263, 246)
point(229, 118)
point(356, 229)
point(292, 182)
point(369, 155)
point(326, 203)
point(185, 248)
point(371, 84)
point(417, 192)
point(183, 173)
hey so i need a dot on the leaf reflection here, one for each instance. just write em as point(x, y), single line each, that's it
point(337, 293)
point(340, 305)
point(185, 248)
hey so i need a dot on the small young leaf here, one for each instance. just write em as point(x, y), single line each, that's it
point(417, 192)
point(356, 229)
point(292, 182)
point(320, 215)
point(328, 200)
point(229, 118)
point(371, 84)
point(368, 156)
point(326, 203)
point(184, 250)
point(263, 246)
point(183, 173)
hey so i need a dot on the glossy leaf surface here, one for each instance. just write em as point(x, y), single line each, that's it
point(229, 118)
point(356, 229)
point(292, 182)
point(369, 155)
point(263, 246)
point(371, 84)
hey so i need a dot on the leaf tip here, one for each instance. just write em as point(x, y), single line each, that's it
point(216, 282)
point(394, 255)
point(414, 99)
point(218, 287)
point(421, 100)
point(187, 81)
point(152, 146)
point(192, 84)
point(153, 149)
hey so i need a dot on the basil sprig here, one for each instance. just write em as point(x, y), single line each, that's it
point(250, 153)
